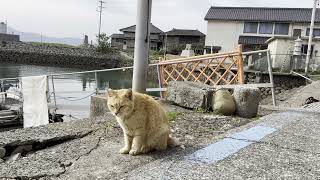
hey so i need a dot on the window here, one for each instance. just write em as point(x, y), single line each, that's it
point(316, 32)
point(266, 28)
point(304, 49)
point(297, 33)
point(250, 27)
point(281, 28)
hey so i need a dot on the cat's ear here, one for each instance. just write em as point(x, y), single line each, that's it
point(110, 92)
point(129, 94)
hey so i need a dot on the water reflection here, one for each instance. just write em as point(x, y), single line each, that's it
point(71, 88)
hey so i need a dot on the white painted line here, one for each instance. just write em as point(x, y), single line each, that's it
point(230, 145)
point(253, 134)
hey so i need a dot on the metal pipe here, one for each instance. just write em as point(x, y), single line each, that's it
point(54, 94)
point(165, 46)
point(96, 79)
point(271, 79)
point(311, 35)
point(142, 45)
point(302, 76)
point(254, 52)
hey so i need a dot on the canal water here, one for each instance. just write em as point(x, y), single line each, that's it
point(73, 91)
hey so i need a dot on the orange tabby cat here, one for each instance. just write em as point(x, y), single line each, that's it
point(143, 121)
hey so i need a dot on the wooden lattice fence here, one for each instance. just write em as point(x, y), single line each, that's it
point(213, 69)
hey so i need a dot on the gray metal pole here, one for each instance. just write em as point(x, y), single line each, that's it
point(311, 35)
point(165, 45)
point(96, 79)
point(271, 79)
point(142, 43)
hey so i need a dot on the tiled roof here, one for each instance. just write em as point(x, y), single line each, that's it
point(117, 36)
point(184, 32)
point(261, 14)
point(154, 29)
point(258, 40)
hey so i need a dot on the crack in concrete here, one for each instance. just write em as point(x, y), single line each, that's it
point(61, 164)
point(97, 144)
point(86, 154)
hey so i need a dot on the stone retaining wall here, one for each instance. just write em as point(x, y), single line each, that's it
point(20, 52)
point(282, 82)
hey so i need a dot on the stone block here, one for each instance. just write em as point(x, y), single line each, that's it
point(99, 106)
point(247, 101)
point(223, 103)
point(190, 94)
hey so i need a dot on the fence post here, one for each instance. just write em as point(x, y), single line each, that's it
point(159, 80)
point(271, 78)
point(240, 66)
point(96, 79)
point(54, 96)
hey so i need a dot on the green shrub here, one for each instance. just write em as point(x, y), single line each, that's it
point(103, 44)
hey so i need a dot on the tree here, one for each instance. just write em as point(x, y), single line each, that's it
point(103, 43)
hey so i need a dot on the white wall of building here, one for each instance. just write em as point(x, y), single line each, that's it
point(224, 33)
point(279, 49)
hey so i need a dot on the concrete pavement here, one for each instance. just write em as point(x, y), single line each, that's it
point(282, 145)
point(292, 151)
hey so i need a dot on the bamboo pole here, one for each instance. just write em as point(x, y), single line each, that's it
point(240, 66)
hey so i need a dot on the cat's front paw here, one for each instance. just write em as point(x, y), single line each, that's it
point(124, 150)
point(134, 152)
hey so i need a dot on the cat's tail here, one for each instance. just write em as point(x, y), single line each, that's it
point(173, 142)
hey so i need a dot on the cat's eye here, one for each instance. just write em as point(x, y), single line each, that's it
point(112, 106)
point(121, 107)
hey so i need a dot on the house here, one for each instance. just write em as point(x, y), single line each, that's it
point(126, 40)
point(256, 28)
point(117, 41)
point(177, 39)
point(253, 26)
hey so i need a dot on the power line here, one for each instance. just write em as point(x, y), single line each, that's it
point(101, 7)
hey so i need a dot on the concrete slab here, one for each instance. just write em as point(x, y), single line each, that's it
point(259, 161)
point(46, 133)
point(284, 154)
point(279, 146)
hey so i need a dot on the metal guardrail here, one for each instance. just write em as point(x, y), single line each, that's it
point(302, 76)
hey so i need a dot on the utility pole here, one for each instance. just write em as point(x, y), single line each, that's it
point(165, 46)
point(311, 35)
point(142, 44)
point(100, 14)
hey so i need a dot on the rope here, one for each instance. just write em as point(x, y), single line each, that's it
point(71, 98)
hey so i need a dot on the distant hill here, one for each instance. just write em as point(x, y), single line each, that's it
point(34, 37)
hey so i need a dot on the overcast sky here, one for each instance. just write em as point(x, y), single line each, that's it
point(73, 18)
